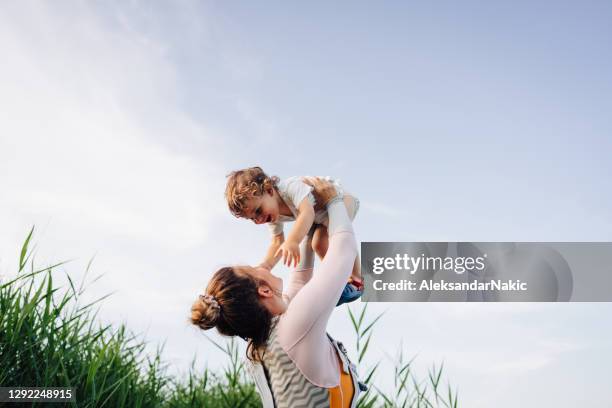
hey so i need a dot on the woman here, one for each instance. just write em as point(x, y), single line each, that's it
point(299, 365)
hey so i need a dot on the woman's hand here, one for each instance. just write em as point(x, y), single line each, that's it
point(323, 190)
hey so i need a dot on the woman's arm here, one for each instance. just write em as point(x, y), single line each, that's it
point(308, 313)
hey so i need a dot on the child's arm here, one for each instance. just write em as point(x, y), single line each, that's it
point(271, 258)
point(290, 250)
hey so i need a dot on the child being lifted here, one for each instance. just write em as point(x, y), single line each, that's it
point(253, 195)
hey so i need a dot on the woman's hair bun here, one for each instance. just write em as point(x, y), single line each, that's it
point(205, 312)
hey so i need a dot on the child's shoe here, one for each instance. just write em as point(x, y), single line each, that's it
point(352, 291)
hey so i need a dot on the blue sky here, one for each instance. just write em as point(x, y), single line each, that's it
point(474, 121)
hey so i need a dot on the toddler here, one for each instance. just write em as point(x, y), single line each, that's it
point(253, 195)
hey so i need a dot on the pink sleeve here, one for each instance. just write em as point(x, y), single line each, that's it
point(302, 328)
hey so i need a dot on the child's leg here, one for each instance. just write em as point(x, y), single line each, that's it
point(306, 252)
point(320, 241)
point(356, 273)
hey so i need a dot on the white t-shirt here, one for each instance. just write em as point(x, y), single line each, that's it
point(293, 190)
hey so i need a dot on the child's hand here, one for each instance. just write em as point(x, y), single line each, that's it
point(290, 251)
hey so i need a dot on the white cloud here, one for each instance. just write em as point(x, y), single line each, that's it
point(81, 109)
point(96, 151)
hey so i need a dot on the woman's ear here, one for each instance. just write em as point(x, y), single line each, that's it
point(265, 291)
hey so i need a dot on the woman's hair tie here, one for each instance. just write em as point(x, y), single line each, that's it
point(210, 301)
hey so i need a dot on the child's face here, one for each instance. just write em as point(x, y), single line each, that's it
point(262, 209)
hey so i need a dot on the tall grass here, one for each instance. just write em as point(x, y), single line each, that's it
point(48, 338)
point(231, 388)
point(409, 391)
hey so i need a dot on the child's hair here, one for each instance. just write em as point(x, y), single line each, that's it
point(232, 305)
point(245, 184)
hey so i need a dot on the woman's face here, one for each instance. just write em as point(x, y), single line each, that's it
point(270, 289)
point(267, 276)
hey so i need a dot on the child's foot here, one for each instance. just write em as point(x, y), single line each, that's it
point(352, 291)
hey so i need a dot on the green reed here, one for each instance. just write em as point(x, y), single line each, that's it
point(47, 338)
point(409, 391)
